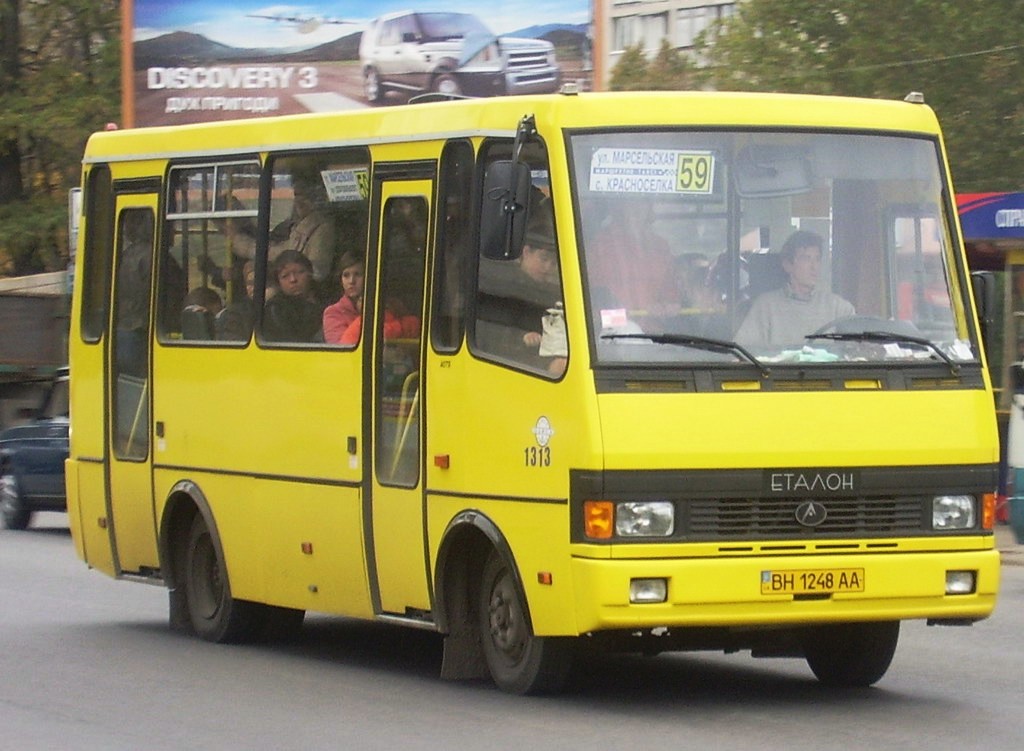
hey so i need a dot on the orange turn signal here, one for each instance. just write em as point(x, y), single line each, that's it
point(598, 519)
point(988, 511)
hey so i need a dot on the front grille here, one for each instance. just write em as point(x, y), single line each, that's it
point(520, 60)
point(775, 518)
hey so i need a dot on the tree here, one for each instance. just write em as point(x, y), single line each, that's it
point(965, 58)
point(59, 82)
point(630, 72)
point(668, 71)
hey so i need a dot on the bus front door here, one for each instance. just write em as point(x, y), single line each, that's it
point(399, 562)
point(129, 455)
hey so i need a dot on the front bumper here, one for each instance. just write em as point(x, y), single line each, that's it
point(726, 591)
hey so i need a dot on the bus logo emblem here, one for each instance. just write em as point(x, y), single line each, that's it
point(811, 513)
point(543, 431)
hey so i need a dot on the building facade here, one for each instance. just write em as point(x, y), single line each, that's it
point(628, 23)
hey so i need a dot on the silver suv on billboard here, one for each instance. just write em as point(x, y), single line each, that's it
point(453, 54)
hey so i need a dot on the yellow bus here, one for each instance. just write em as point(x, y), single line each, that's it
point(648, 371)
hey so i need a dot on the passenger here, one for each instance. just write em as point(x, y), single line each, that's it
point(293, 313)
point(633, 263)
point(518, 297)
point(134, 274)
point(695, 292)
point(309, 230)
point(398, 324)
point(240, 234)
point(339, 316)
point(539, 263)
point(786, 315)
point(202, 305)
point(234, 322)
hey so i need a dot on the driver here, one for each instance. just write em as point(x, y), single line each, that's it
point(786, 315)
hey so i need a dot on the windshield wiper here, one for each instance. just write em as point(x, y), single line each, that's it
point(697, 342)
point(889, 337)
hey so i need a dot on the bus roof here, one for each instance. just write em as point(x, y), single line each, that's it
point(500, 116)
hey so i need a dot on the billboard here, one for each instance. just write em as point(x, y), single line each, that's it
point(193, 61)
point(991, 216)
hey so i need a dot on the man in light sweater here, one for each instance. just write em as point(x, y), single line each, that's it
point(784, 316)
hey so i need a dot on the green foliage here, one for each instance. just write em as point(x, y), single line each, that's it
point(630, 72)
point(668, 71)
point(34, 235)
point(965, 57)
point(59, 84)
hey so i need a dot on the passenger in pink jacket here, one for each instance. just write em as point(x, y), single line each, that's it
point(339, 316)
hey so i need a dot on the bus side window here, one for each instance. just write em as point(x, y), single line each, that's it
point(454, 210)
point(208, 240)
point(318, 215)
point(99, 248)
point(519, 318)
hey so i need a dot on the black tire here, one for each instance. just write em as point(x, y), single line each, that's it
point(215, 615)
point(850, 655)
point(12, 504)
point(446, 83)
point(519, 662)
point(371, 86)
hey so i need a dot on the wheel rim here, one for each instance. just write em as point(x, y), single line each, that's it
point(207, 583)
point(508, 629)
point(447, 86)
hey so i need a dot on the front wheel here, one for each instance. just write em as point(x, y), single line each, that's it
point(214, 614)
point(447, 84)
point(519, 662)
point(12, 504)
point(851, 655)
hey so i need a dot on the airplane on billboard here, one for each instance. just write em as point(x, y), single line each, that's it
point(303, 24)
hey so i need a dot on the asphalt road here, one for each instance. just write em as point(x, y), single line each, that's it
point(89, 663)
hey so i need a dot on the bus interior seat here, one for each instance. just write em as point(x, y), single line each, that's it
point(765, 273)
point(196, 323)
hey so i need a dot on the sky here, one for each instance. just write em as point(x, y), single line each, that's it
point(231, 24)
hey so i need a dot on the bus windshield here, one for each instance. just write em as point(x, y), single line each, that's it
point(720, 247)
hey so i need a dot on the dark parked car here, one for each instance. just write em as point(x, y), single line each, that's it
point(32, 460)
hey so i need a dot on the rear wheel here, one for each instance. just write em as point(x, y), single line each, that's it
point(215, 615)
point(371, 86)
point(851, 654)
point(12, 504)
point(519, 662)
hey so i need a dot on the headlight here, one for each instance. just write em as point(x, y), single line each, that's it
point(644, 519)
point(954, 512)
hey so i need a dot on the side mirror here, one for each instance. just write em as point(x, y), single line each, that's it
point(503, 214)
point(983, 284)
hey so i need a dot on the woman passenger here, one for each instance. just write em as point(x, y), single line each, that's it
point(293, 313)
point(339, 316)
